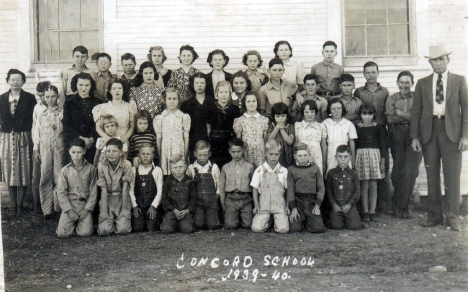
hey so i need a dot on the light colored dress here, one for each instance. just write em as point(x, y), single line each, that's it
point(311, 135)
point(252, 130)
point(172, 128)
point(337, 134)
point(124, 115)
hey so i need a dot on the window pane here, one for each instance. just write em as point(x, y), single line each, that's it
point(68, 40)
point(376, 12)
point(91, 40)
point(398, 11)
point(48, 10)
point(355, 12)
point(48, 46)
point(355, 41)
point(398, 36)
point(377, 40)
point(69, 12)
point(89, 15)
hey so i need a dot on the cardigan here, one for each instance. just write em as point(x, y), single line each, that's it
point(22, 120)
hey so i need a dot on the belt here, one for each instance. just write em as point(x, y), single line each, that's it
point(240, 193)
point(115, 193)
point(79, 200)
point(328, 93)
point(402, 124)
point(439, 117)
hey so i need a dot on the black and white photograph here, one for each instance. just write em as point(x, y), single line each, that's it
point(213, 145)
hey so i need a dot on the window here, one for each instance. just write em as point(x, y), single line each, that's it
point(378, 29)
point(61, 25)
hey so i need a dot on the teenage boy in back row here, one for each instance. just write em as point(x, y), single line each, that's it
point(328, 71)
point(80, 56)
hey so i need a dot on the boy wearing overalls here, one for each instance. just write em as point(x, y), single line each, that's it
point(206, 175)
point(270, 182)
point(145, 190)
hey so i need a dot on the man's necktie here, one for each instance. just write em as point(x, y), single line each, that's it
point(440, 90)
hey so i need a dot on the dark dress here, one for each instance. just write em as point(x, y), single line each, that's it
point(78, 121)
point(199, 118)
point(209, 82)
point(166, 77)
point(221, 121)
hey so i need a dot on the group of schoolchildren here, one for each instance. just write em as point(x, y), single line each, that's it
point(268, 148)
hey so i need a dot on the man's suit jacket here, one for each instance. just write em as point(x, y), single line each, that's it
point(209, 82)
point(456, 109)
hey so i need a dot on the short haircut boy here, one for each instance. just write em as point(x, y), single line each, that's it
point(174, 159)
point(236, 198)
point(330, 43)
point(343, 192)
point(272, 145)
point(371, 64)
point(311, 77)
point(202, 145)
point(275, 61)
point(115, 142)
point(41, 86)
point(306, 191)
point(128, 56)
point(74, 203)
point(103, 55)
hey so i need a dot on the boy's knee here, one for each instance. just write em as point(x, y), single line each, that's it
point(258, 228)
point(62, 233)
point(353, 225)
point(284, 229)
point(186, 228)
point(295, 226)
point(85, 232)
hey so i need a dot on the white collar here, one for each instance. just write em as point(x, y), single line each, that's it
point(269, 169)
point(256, 115)
point(11, 98)
point(198, 166)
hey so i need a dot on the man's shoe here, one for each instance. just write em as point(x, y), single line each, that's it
point(407, 214)
point(373, 217)
point(430, 223)
point(365, 218)
point(398, 213)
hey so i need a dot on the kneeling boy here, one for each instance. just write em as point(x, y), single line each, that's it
point(115, 174)
point(207, 177)
point(145, 190)
point(77, 192)
point(343, 192)
point(235, 191)
point(179, 198)
point(305, 192)
point(270, 180)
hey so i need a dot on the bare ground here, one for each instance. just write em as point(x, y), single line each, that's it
point(392, 255)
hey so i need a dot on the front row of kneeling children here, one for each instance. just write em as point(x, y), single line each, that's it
point(131, 198)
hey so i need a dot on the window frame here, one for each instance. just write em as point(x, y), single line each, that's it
point(397, 60)
point(35, 32)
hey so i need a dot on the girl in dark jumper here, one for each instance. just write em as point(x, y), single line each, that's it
point(370, 159)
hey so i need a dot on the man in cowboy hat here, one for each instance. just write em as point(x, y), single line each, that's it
point(439, 127)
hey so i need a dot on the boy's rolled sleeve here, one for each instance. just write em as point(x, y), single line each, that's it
point(127, 176)
point(158, 179)
point(62, 188)
point(131, 191)
point(101, 177)
point(256, 178)
point(291, 191)
point(320, 188)
point(92, 191)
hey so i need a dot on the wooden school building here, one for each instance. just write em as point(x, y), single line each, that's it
point(37, 36)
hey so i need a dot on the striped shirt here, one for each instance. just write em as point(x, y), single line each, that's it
point(139, 139)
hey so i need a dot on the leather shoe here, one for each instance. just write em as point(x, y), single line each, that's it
point(398, 213)
point(430, 223)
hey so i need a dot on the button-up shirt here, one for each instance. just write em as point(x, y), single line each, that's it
point(378, 98)
point(158, 179)
point(293, 72)
point(77, 183)
point(321, 103)
point(68, 75)
point(235, 176)
point(327, 72)
point(130, 81)
point(397, 101)
point(342, 186)
point(280, 171)
point(269, 94)
point(352, 105)
point(113, 179)
point(102, 80)
point(439, 109)
point(205, 169)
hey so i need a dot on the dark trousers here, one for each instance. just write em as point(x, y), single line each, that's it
point(238, 205)
point(313, 223)
point(438, 148)
point(350, 220)
point(207, 211)
point(170, 223)
point(406, 163)
point(36, 178)
point(384, 201)
point(142, 221)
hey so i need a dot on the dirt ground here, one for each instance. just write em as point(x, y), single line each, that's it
point(392, 255)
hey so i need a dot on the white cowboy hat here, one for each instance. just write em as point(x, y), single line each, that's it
point(437, 51)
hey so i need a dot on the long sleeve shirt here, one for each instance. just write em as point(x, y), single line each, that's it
point(158, 179)
point(205, 169)
point(77, 183)
point(112, 179)
point(305, 180)
point(179, 195)
point(78, 117)
point(342, 186)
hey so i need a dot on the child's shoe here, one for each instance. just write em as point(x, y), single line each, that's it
point(373, 217)
point(365, 218)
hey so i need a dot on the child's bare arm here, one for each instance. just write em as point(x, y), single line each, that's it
point(324, 153)
point(97, 155)
point(289, 139)
point(158, 145)
point(352, 148)
point(186, 146)
point(208, 129)
point(255, 199)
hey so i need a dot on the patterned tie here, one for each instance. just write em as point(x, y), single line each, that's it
point(440, 90)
